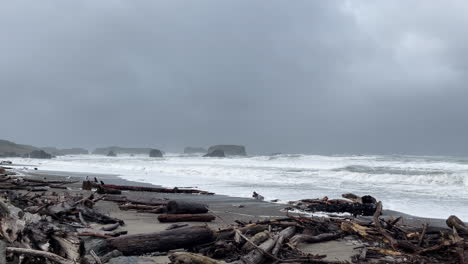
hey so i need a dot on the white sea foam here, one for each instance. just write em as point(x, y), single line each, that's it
point(424, 186)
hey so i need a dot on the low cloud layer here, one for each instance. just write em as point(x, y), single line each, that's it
point(277, 76)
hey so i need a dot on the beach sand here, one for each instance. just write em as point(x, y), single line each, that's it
point(226, 209)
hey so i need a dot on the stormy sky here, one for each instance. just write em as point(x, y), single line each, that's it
point(278, 76)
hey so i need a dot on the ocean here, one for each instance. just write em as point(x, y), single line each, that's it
point(424, 186)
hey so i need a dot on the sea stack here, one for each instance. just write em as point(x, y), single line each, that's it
point(111, 154)
point(217, 153)
point(39, 154)
point(229, 150)
point(155, 153)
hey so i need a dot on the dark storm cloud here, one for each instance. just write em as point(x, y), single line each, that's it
point(291, 76)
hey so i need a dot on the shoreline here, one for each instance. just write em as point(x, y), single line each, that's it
point(226, 202)
point(228, 212)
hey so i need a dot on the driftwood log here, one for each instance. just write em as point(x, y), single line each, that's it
point(165, 218)
point(154, 189)
point(172, 239)
point(186, 207)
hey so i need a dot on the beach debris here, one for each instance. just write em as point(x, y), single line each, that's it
point(65, 227)
point(186, 207)
point(257, 196)
point(165, 218)
point(184, 237)
point(109, 188)
point(355, 205)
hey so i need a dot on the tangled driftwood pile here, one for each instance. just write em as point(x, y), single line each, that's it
point(60, 227)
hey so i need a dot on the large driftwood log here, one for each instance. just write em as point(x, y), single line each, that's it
point(256, 240)
point(70, 246)
point(285, 234)
point(186, 207)
point(154, 189)
point(455, 222)
point(38, 253)
point(163, 241)
point(341, 206)
point(165, 218)
point(106, 190)
point(258, 255)
point(315, 239)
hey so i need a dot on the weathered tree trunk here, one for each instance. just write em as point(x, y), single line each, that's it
point(186, 218)
point(455, 222)
point(154, 189)
point(315, 239)
point(283, 235)
point(257, 240)
point(70, 246)
point(258, 255)
point(186, 207)
point(163, 241)
point(106, 190)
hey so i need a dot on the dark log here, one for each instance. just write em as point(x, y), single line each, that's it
point(87, 185)
point(175, 226)
point(165, 218)
point(341, 206)
point(164, 241)
point(390, 239)
point(94, 216)
point(154, 189)
point(106, 190)
point(186, 207)
point(56, 186)
point(455, 222)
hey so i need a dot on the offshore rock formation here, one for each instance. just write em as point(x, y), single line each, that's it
point(11, 149)
point(69, 151)
point(39, 154)
point(217, 153)
point(155, 153)
point(229, 150)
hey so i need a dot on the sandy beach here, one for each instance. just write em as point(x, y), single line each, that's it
point(227, 210)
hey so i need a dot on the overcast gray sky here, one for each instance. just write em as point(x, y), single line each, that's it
point(278, 76)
